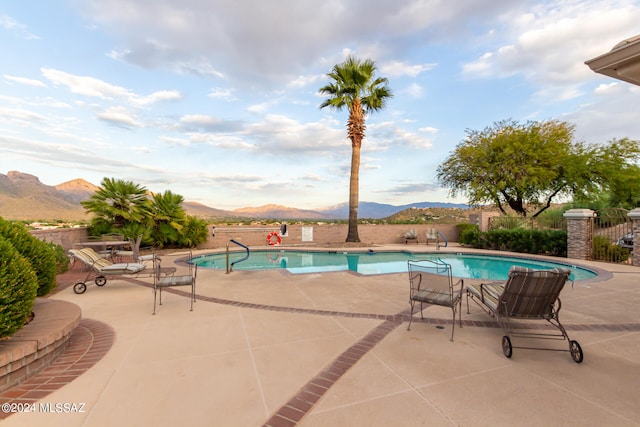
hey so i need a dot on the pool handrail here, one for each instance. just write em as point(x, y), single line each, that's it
point(230, 266)
point(446, 242)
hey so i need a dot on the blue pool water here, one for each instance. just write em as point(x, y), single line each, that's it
point(468, 266)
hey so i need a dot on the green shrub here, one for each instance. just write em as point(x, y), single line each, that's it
point(38, 253)
point(546, 242)
point(469, 234)
point(18, 287)
point(61, 258)
point(194, 232)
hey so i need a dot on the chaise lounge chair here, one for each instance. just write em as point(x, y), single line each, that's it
point(526, 295)
point(100, 268)
point(135, 251)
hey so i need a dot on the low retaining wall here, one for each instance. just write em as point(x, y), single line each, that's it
point(326, 234)
point(37, 345)
point(65, 237)
point(297, 234)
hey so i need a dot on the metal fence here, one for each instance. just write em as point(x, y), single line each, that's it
point(538, 223)
point(612, 236)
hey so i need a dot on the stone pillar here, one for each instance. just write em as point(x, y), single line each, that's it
point(635, 219)
point(579, 233)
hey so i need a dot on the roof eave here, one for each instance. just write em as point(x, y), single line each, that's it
point(622, 62)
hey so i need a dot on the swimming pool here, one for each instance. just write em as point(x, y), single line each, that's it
point(468, 266)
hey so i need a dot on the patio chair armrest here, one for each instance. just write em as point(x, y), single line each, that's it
point(461, 283)
point(416, 281)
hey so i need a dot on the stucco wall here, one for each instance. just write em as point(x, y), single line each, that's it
point(66, 237)
point(323, 234)
point(326, 234)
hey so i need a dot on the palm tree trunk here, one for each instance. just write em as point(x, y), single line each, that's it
point(352, 235)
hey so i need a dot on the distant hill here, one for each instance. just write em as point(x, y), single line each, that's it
point(432, 215)
point(380, 210)
point(202, 211)
point(279, 212)
point(76, 190)
point(24, 197)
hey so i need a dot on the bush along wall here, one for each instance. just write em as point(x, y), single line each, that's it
point(541, 242)
point(38, 253)
point(469, 234)
point(18, 288)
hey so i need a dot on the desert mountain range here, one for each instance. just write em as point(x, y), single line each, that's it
point(24, 197)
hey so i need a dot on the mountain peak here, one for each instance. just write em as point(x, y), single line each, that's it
point(76, 190)
point(19, 176)
point(77, 184)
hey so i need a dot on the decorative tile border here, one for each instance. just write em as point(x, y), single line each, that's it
point(303, 401)
point(89, 342)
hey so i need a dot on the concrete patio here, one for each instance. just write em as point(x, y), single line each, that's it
point(270, 348)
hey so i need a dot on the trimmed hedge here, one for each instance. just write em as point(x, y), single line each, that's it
point(542, 242)
point(18, 287)
point(38, 253)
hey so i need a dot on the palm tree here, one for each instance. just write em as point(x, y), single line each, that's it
point(168, 217)
point(118, 202)
point(354, 86)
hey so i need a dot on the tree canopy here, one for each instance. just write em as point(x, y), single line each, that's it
point(526, 166)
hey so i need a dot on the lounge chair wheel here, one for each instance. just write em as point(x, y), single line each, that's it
point(79, 288)
point(576, 351)
point(101, 280)
point(507, 349)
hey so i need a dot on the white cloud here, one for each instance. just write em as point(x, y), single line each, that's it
point(282, 135)
point(402, 68)
point(207, 123)
point(93, 87)
point(257, 42)
point(169, 140)
point(119, 116)
point(389, 134)
point(608, 116)
point(24, 81)
point(412, 188)
point(163, 95)
point(264, 106)
point(414, 90)
point(83, 85)
point(603, 89)
point(21, 30)
point(549, 43)
point(428, 129)
point(20, 116)
point(303, 81)
point(221, 93)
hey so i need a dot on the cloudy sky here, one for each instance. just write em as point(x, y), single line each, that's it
point(218, 100)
